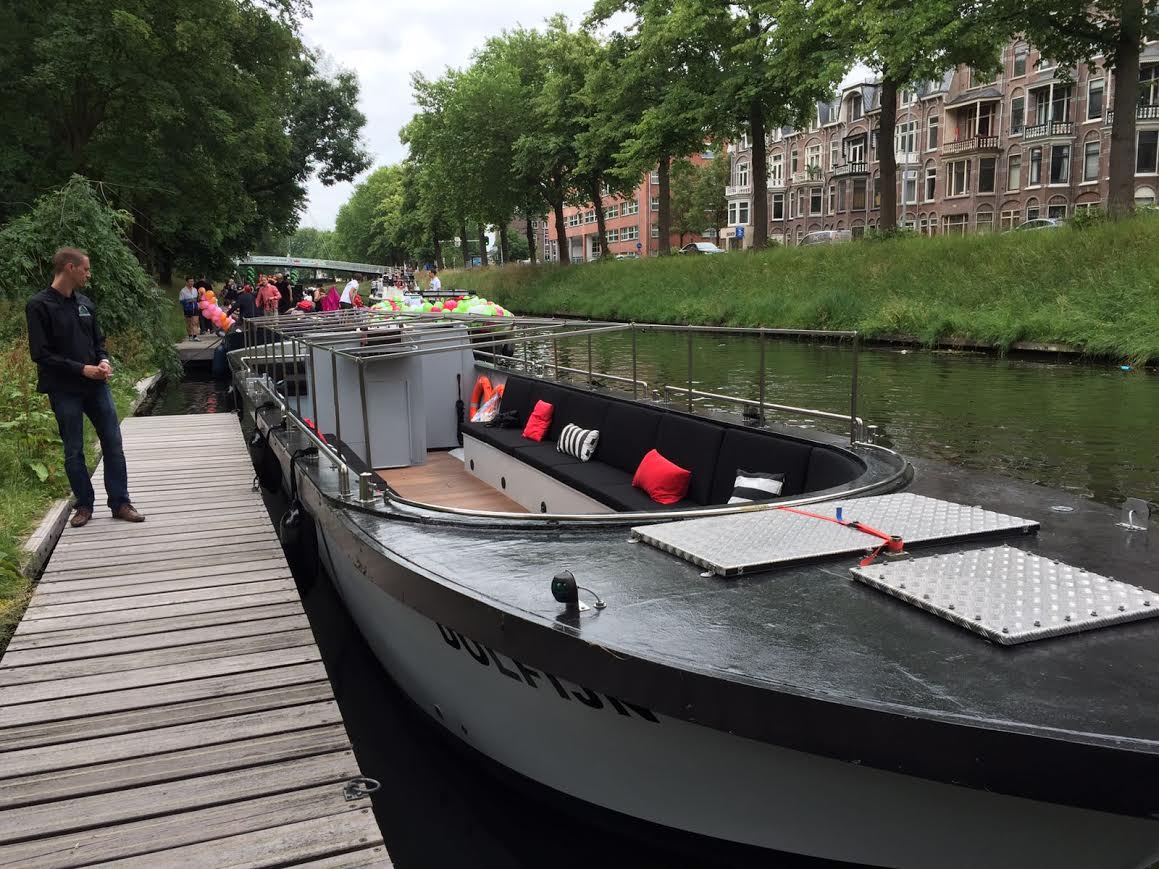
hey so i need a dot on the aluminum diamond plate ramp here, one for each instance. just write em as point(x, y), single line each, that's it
point(748, 542)
point(1011, 596)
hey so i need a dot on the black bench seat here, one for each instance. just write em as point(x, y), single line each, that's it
point(713, 451)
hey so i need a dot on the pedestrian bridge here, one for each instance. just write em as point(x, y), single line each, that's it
point(293, 262)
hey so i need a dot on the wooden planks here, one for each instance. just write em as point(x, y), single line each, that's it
point(163, 701)
point(444, 481)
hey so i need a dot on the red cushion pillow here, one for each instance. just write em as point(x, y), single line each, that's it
point(664, 482)
point(539, 422)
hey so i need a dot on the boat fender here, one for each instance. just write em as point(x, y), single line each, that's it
point(480, 394)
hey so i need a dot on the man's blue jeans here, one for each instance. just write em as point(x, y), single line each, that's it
point(97, 404)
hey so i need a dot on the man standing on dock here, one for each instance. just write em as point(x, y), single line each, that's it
point(68, 347)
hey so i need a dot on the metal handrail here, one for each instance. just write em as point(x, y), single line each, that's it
point(555, 367)
point(859, 423)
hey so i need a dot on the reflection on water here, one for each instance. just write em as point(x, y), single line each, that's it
point(1087, 428)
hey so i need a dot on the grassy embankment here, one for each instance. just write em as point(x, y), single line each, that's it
point(1096, 288)
point(30, 449)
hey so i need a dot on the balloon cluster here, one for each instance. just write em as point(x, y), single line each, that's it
point(459, 305)
point(213, 313)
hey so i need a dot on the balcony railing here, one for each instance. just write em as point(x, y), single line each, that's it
point(974, 143)
point(1047, 130)
point(851, 169)
point(1142, 113)
point(738, 189)
point(777, 183)
point(800, 177)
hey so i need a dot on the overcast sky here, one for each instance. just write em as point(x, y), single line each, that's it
point(385, 42)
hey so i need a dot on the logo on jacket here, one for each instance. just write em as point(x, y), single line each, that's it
point(82, 311)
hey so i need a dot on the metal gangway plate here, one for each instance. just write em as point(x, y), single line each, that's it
point(1011, 596)
point(749, 542)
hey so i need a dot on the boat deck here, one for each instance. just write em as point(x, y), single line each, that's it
point(163, 702)
point(445, 482)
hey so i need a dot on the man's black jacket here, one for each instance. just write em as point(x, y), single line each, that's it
point(64, 337)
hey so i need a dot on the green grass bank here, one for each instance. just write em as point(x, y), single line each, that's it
point(1096, 288)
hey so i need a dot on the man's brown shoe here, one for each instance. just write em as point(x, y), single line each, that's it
point(81, 517)
point(128, 513)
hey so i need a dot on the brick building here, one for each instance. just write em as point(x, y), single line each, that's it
point(975, 152)
point(631, 223)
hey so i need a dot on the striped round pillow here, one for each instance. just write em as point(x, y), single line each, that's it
point(577, 442)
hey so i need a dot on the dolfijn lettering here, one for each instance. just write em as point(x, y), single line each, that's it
point(510, 668)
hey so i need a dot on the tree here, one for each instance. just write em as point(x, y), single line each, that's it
point(366, 229)
point(698, 201)
point(909, 43)
point(202, 118)
point(1071, 32)
point(305, 242)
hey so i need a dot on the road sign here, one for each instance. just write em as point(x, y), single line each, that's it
point(639, 246)
point(740, 232)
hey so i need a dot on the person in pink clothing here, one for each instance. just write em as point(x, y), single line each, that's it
point(268, 296)
point(331, 302)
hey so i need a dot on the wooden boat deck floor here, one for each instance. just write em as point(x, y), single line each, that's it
point(445, 482)
point(163, 702)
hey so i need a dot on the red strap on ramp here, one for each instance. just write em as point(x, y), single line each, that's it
point(889, 541)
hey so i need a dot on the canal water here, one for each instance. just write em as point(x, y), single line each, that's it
point(1082, 427)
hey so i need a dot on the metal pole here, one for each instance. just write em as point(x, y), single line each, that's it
point(591, 379)
point(690, 369)
point(761, 382)
point(337, 409)
point(298, 389)
point(853, 392)
point(313, 386)
point(365, 417)
point(635, 383)
point(555, 354)
point(365, 493)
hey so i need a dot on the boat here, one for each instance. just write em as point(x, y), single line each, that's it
point(871, 666)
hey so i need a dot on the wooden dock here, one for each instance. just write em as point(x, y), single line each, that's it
point(198, 352)
point(163, 702)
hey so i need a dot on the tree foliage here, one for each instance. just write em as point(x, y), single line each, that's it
point(202, 118)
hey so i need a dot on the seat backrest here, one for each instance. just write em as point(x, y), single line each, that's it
point(828, 468)
point(629, 432)
point(517, 397)
point(693, 444)
point(753, 451)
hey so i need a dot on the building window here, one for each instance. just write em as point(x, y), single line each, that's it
point(655, 176)
point(858, 194)
point(855, 149)
point(1095, 99)
point(834, 154)
point(932, 133)
point(832, 198)
point(931, 183)
point(1146, 151)
point(1058, 211)
point(1059, 164)
point(1035, 166)
point(841, 203)
point(984, 220)
point(778, 210)
point(955, 224)
point(814, 201)
point(1020, 52)
point(978, 78)
point(612, 211)
point(1144, 196)
point(605, 190)
point(573, 219)
point(813, 157)
point(986, 171)
point(958, 178)
point(654, 230)
point(632, 206)
point(590, 216)
point(856, 107)
point(1014, 172)
point(738, 213)
point(654, 202)
point(1032, 210)
point(876, 191)
point(908, 95)
point(1060, 103)
point(1017, 115)
point(744, 141)
point(1043, 63)
point(1149, 85)
point(612, 235)
point(1009, 219)
point(909, 186)
point(777, 170)
point(905, 137)
point(742, 175)
point(793, 161)
point(629, 233)
point(1091, 161)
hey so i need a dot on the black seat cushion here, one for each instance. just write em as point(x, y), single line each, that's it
point(692, 444)
point(629, 431)
point(543, 456)
point(593, 478)
point(517, 397)
point(584, 409)
point(756, 451)
point(829, 467)
point(628, 497)
point(505, 439)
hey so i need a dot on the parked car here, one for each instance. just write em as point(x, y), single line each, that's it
point(629, 255)
point(827, 236)
point(700, 247)
point(1041, 223)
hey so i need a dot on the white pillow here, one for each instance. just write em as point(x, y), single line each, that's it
point(577, 442)
point(755, 486)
